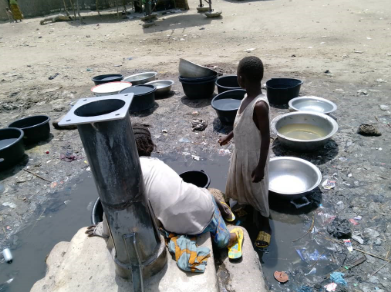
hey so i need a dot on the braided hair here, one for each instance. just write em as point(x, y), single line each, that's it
point(142, 135)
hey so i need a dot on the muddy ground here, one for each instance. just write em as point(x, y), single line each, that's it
point(302, 39)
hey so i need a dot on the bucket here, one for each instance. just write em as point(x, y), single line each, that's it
point(281, 90)
point(97, 212)
point(196, 177)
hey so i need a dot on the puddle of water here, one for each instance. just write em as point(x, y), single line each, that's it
point(60, 221)
point(63, 216)
point(67, 212)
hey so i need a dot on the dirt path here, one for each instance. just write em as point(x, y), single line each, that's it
point(300, 38)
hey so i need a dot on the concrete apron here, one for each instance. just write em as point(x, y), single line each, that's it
point(85, 264)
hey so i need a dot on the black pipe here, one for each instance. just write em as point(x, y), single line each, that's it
point(107, 136)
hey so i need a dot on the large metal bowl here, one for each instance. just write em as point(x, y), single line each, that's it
point(190, 70)
point(312, 104)
point(141, 78)
point(326, 123)
point(163, 87)
point(292, 177)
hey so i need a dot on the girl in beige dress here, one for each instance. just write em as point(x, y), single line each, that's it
point(248, 181)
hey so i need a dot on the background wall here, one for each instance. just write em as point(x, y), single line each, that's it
point(32, 8)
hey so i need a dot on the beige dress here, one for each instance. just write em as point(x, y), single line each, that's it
point(245, 159)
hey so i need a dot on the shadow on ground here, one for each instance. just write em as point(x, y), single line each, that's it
point(179, 21)
point(322, 156)
point(195, 103)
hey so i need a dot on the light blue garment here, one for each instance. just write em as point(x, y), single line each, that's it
point(337, 278)
point(189, 256)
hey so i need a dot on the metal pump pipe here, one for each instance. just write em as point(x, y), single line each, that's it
point(107, 136)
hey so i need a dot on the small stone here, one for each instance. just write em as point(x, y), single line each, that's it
point(368, 130)
point(371, 233)
point(327, 71)
point(358, 239)
point(384, 107)
point(362, 92)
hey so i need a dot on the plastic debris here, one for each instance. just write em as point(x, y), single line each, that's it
point(307, 256)
point(340, 228)
point(312, 272)
point(11, 205)
point(249, 50)
point(337, 277)
point(343, 159)
point(358, 239)
point(348, 244)
point(68, 157)
point(47, 152)
point(281, 277)
point(7, 255)
point(198, 125)
point(354, 222)
point(358, 218)
point(195, 157)
point(224, 152)
point(331, 287)
point(53, 76)
point(164, 131)
point(328, 184)
point(53, 185)
point(326, 218)
point(184, 140)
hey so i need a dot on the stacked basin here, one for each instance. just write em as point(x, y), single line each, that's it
point(198, 82)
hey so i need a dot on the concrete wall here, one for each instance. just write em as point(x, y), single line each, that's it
point(32, 8)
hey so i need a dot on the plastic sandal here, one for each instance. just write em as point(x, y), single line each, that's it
point(232, 218)
point(235, 251)
point(263, 239)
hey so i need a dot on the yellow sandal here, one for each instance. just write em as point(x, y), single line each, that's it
point(263, 239)
point(232, 218)
point(235, 251)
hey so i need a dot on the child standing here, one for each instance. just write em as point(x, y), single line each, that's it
point(248, 181)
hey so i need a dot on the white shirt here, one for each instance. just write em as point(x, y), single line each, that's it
point(181, 207)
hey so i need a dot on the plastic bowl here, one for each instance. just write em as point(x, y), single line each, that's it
point(225, 83)
point(227, 116)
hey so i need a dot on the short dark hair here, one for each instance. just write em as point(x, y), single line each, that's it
point(142, 135)
point(251, 68)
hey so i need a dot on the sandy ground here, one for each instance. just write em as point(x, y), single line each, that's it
point(301, 38)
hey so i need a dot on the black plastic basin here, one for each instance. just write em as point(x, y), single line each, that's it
point(197, 79)
point(107, 78)
point(199, 90)
point(11, 147)
point(196, 177)
point(225, 83)
point(144, 97)
point(227, 113)
point(281, 90)
point(35, 128)
point(97, 212)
